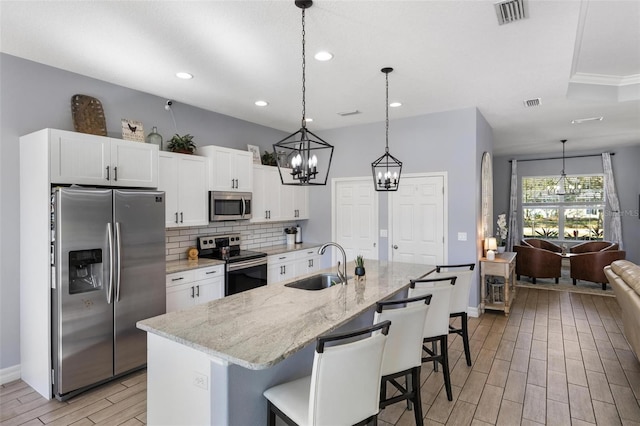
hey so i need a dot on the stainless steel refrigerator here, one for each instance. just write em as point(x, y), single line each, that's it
point(108, 265)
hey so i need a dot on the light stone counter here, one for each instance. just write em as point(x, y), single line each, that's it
point(259, 328)
point(185, 265)
point(286, 249)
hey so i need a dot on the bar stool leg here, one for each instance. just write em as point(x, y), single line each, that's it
point(465, 338)
point(415, 382)
point(445, 366)
point(434, 348)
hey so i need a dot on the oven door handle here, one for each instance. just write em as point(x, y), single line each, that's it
point(246, 264)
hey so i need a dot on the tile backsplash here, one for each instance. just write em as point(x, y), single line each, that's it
point(254, 236)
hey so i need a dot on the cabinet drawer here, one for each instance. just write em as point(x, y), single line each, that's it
point(279, 258)
point(303, 254)
point(499, 269)
point(210, 272)
point(180, 278)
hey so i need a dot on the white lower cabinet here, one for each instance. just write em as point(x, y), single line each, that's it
point(193, 287)
point(281, 267)
point(286, 266)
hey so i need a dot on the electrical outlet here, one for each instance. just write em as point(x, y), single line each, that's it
point(462, 236)
point(200, 380)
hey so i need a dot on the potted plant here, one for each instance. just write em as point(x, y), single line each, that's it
point(359, 266)
point(182, 144)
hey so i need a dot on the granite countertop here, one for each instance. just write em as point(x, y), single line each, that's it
point(285, 248)
point(185, 265)
point(257, 329)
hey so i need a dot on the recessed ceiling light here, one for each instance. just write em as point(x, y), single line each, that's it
point(395, 104)
point(584, 120)
point(184, 75)
point(261, 103)
point(323, 56)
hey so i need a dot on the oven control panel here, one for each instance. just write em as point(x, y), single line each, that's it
point(218, 241)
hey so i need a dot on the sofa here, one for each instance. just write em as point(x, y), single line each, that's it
point(538, 259)
point(624, 278)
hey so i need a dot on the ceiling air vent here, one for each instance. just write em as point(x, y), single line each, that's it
point(510, 10)
point(532, 102)
point(348, 113)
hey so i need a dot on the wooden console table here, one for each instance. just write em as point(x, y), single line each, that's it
point(504, 265)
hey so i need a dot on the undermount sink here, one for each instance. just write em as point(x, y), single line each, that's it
point(316, 282)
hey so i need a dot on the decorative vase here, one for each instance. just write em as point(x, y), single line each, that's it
point(501, 249)
point(155, 138)
point(359, 271)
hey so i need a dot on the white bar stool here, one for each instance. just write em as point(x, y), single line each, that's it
point(459, 299)
point(344, 386)
point(403, 353)
point(436, 326)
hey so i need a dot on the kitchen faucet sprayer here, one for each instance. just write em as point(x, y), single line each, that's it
point(342, 275)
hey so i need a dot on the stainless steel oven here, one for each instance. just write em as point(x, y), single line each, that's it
point(245, 269)
point(245, 275)
point(229, 206)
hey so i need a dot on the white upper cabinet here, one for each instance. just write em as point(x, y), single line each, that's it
point(229, 169)
point(183, 178)
point(275, 202)
point(266, 194)
point(98, 160)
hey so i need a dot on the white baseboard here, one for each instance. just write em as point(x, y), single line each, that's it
point(473, 311)
point(9, 374)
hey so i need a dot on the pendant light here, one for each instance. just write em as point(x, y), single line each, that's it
point(303, 158)
point(386, 169)
point(564, 186)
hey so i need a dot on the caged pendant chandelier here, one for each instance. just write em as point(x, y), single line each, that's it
point(303, 158)
point(564, 185)
point(386, 169)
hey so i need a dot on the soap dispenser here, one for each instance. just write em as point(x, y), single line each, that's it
point(298, 234)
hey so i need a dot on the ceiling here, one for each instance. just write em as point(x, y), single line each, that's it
point(582, 58)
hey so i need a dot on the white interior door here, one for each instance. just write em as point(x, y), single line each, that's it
point(355, 217)
point(417, 213)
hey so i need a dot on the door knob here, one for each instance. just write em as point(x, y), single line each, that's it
point(395, 247)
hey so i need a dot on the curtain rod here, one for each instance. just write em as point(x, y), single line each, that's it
point(566, 156)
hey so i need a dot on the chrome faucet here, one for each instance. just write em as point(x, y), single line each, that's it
point(342, 275)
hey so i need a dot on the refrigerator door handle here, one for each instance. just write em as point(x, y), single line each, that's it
point(119, 247)
point(110, 238)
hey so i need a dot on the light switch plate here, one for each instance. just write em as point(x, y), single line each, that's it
point(462, 236)
point(384, 233)
point(200, 380)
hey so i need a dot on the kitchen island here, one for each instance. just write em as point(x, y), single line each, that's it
point(211, 363)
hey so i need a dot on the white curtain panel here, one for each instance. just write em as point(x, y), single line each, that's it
point(513, 238)
point(612, 200)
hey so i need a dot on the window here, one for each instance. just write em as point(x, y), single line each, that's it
point(577, 215)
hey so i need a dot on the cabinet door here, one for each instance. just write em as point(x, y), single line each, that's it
point(243, 170)
point(266, 194)
point(79, 158)
point(134, 164)
point(281, 267)
point(220, 174)
point(301, 202)
point(168, 182)
point(180, 297)
point(192, 191)
point(208, 290)
point(287, 201)
point(307, 261)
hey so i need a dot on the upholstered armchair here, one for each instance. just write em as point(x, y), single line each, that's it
point(537, 262)
point(591, 246)
point(590, 266)
point(541, 244)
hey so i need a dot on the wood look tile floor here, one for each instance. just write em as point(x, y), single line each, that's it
point(559, 358)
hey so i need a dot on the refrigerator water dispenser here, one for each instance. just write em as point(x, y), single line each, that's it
point(85, 271)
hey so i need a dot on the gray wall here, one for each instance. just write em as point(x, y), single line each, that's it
point(36, 96)
point(450, 141)
point(625, 170)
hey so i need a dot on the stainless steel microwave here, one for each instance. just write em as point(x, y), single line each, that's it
point(229, 206)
